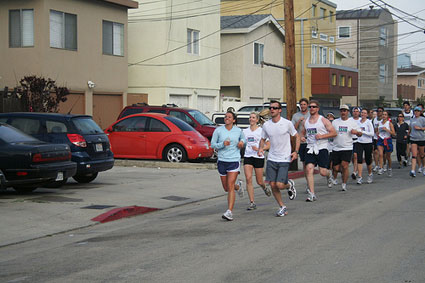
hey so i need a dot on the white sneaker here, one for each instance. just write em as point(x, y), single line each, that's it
point(307, 189)
point(354, 175)
point(240, 191)
point(267, 190)
point(334, 181)
point(330, 181)
point(375, 169)
point(292, 192)
point(370, 179)
point(359, 180)
point(420, 169)
point(311, 197)
point(282, 211)
point(380, 171)
point(344, 187)
point(385, 168)
point(227, 215)
point(390, 172)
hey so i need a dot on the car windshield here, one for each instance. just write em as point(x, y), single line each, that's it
point(12, 135)
point(201, 118)
point(182, 125)
point(86, 126)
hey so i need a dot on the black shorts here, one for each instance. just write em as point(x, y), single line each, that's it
point(253, 161)
point(339, 156)
point(321, 159)
point(302, 151)
point(408, 139)
point(375, 147)
point(367, 149)
point(355, 146)
point(419, 143)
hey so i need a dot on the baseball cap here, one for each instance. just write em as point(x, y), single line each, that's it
point(331, 113)
point(417, 108)
point(344, 106)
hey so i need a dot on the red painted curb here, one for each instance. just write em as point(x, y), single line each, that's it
point(122, 212)
point(299, 174)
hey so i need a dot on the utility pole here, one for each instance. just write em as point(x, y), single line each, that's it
point(291, 89)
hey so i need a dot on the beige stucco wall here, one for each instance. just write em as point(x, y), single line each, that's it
point(413, 80)
point(72, 69)
point(151, 38)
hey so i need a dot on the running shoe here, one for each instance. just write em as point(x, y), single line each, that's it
point(343, 187)
point(292, 192)
point(409, 163)
point(380, 171)
point(240, 191)
point(385, 168)
point(390, 172)
point(282, 211)
point(252, 206)
point(307, 189)
point(354, 175)
point(330, 181)
point(370, 179)
point(359, 180)
point(311, 197)
point(420, 169)
point(334, 181)
point(267, 190)
point(412, 174)
point(405, 162)
point(375, 169)
point(227, 215)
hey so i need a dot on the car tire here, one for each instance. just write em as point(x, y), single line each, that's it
point(175, 153)
point(87, 178)
point(56, 184)
point(24, 189)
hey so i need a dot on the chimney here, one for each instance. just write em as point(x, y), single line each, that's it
point(371, 7)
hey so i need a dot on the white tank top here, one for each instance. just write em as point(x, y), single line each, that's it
point(312, 130)
point(381, 132)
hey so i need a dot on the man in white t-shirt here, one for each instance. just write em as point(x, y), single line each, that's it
point(279, 131)
point(356, 117)
point(343, 143)
point(408, 115)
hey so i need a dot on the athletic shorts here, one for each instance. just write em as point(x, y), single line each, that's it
point(355, 145)
point(339, 156)
point(277, 172)
point(419, 143)
point(367, 149)
point(225, 167)
point(254, 161)
point(388, 147)
point(321, 159)
point(375, 147)
point(302, 152)
point(408, 139)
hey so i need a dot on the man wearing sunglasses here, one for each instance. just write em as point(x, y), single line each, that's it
point(279, 131)
point(317, 130)
point(343, 143)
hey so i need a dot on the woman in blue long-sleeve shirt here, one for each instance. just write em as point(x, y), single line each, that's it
point(228, 140)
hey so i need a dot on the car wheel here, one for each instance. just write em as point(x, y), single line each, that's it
point(175, 153)
point(56, 184)
point(85, 178)
point(24, 189)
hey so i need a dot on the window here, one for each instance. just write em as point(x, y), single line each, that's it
point(193, 41)
point(331, 15)
point(314, 54)
point(331, 56)
point(21, 28)
point(323, 37)
point(313, 10)
point(341, 80)
point(63, 30)
point(182, 116)
point(86, 126)
point(331, 39)
point(343, 32)
point(157, 126)
point(133, 124)
point(313, 32)
point(322, 13)
point(383, 70)
point(113, 38)
point(419, 82)
point(323, 55)
point(383, 36)
point(334, 79)
point(55, 127)
point(29, 126)
point(350, 81)
point(258, 53)
point(180, 124)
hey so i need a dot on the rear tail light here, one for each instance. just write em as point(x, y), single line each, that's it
point(23, 173)
point(77, 140)
point(192, 140)
point(38, 157)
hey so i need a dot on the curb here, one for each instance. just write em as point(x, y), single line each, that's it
point(163, 164)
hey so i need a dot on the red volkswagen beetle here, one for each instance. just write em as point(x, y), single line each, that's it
point(157, 136)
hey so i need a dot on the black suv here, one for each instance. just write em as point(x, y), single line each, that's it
point(89, 145)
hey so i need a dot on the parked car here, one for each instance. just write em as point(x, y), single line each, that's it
point(157, 136)
point(89, 144)
point(193, 117)
point(27, 163)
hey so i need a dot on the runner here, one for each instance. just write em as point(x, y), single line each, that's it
point(228, 140)
point(317, 130)
point(402, 133)
point(356, 118)
point(417, 137)
point(385, 143)
point(343, 144)
point(418, 160)
point(365, 146)
point(331, 117)
point(375, 123)
point(408, 115)
point(298, 121)
point(251, 159)
point(278, 130)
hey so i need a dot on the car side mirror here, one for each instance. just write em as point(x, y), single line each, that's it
point(109, 129)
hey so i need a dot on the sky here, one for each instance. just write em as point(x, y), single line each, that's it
point(413, 44)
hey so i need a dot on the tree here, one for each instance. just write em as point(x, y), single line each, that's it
point(42, 95)
point(400, 102)
point(420, 100)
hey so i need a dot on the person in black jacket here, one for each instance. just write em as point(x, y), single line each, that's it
point(401, 129)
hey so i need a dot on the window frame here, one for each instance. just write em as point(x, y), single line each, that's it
point(313, 10)
point(339, 32)
point(193, 46)
point(331, 15)
point(383, 36)
point(323, 50)
point(322, 14)
point(21, 29)
point(342, 80)
point(260, 56)
point(314, 53)
point(113, 42)
point(383, 73)
point(331, 57)
point(64, 32)
point(334, 79)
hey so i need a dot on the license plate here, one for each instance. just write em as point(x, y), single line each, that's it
point(59, 177)
point(99, 147)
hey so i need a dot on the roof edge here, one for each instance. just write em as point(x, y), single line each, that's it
point(126, 3)
point(255, 26)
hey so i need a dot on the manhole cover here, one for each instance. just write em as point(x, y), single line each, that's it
point(98, 206)
point(175, 198)
point(55, 199)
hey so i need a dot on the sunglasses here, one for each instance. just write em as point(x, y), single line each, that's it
point(379, 110)
point(274, 108)
point(313, 106)
point(400, 116)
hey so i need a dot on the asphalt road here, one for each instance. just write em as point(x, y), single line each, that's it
point(371, 233)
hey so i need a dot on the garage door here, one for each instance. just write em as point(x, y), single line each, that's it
point(206, 104)
point(74, 104)
point(106, 108)
point(179, 100)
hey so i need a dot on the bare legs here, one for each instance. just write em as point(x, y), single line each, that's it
point(248, 176)
point(228, 183)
